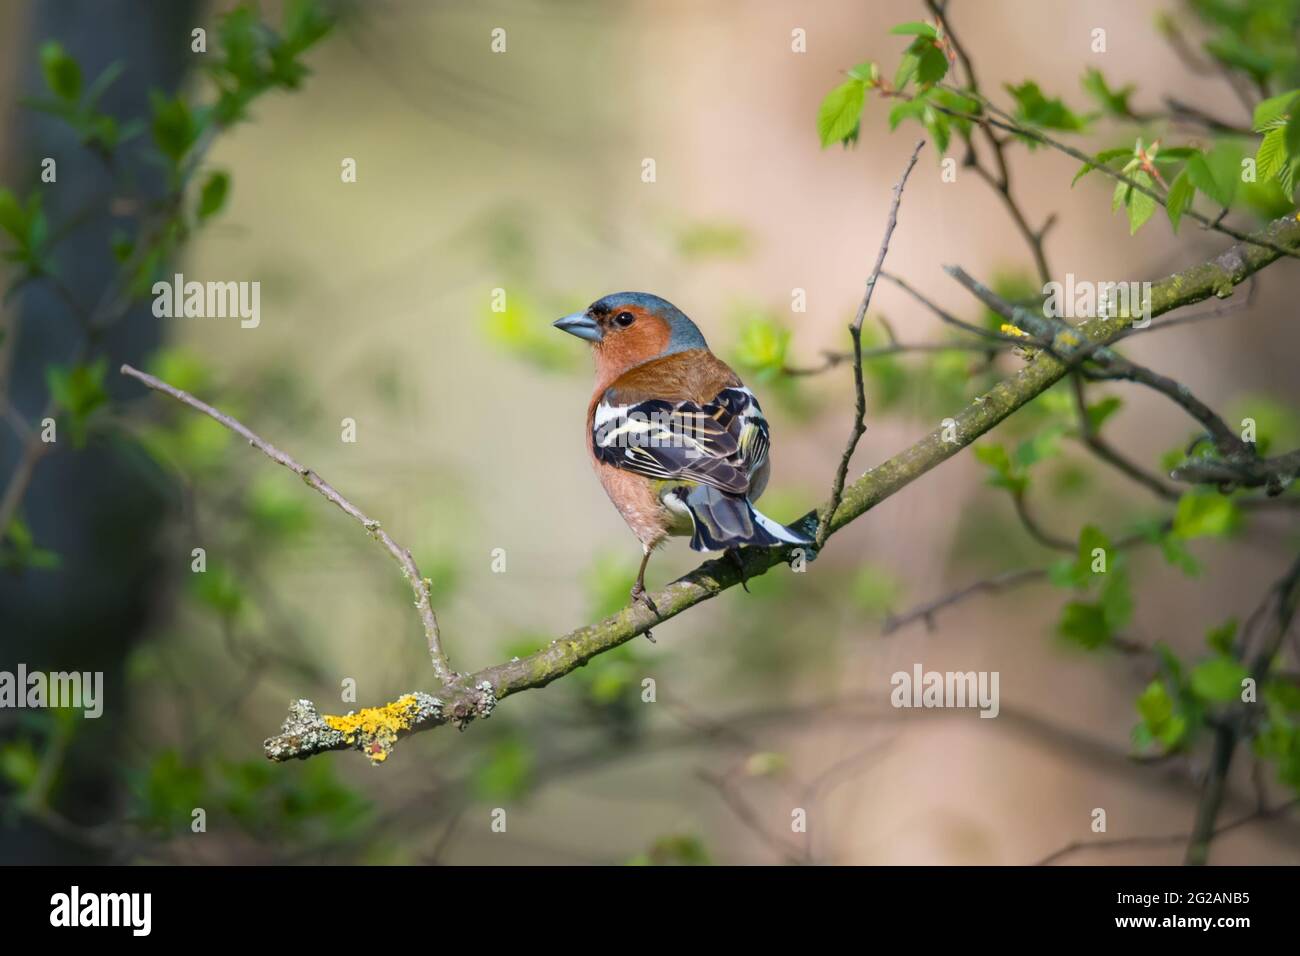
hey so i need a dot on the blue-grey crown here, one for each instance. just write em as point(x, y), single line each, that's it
point(685, 335)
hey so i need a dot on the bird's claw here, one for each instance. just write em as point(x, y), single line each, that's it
point(641, 596)
point(734, 555)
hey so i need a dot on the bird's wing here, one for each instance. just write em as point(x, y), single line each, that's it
point(721, 443)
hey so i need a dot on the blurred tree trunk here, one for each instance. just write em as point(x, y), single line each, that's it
point(86, 505)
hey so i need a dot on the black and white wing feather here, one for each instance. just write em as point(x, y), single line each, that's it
point(722, 443)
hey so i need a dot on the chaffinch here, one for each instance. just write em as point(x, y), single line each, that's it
point(678, 442)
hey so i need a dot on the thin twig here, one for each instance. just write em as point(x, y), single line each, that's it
point(832, 359)
point(990, 585)
point(1286, 594)
point(1036, 530)
point(1165, 840)
point(419, 584)
point(1001, 180)
point(1089, 435)
point(855, 331)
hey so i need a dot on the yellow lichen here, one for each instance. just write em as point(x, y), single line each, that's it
point(374, 730)
point(1023, 350)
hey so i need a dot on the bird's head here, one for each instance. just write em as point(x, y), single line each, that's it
point(628, 328)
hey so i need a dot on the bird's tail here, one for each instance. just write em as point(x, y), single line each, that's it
point(725, 521)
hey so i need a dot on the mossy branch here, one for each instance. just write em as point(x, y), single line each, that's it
point(373, 731)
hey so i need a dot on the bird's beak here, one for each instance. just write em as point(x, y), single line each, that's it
point(580, 324)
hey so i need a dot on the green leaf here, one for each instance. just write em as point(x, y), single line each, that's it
point(1117, 598)
point(907, 109)
point(937, 124)
point(13, 218)
point(1036, 109)
point(19, 764)
point(218, 589)
point(1269, 112)
point(1213, 176)
point(1005, 473)
point(22, 552)
point(763, 346)
point(906, 69)
point(78, 390)
point(1044, 444)
point(840, 112)
point(1140, 205)
point(1084, 624)
point(1090, 539)
point(1154, 704)
point(213, 195)
point(1120, 197)
point(1220, 638)
point(1218, 679)
point(915, 28)
point(1293, 136)
point(1176, 554)
point(932, 64)
point(1102, 158)
point(1160, 721)
point(677, 850)
point(305, 22)
point(1202, 514)
point(1114, 102)
point(169, 791)
point(102, 82)
point(868, 72)
point(1077, 572)
point(1179, 200)
point(174, 127)
point(1272, 154)
point(62, 74)
point(1099, 412)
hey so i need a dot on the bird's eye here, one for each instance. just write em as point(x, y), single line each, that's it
point(624, 319)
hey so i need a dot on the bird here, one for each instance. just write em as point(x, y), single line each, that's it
point(677, 440)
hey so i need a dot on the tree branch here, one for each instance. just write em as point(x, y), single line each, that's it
point(305, 732)
point(1001, 181)
point(992, 585)
point(1259, 813)
point(1103, 449)
point(1116, 367)
point(1005, 121)
point(420, 585)
point(1286, 593)
point(1273, 474)
point(855, 331)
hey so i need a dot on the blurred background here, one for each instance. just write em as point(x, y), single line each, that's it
point(481, 169)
